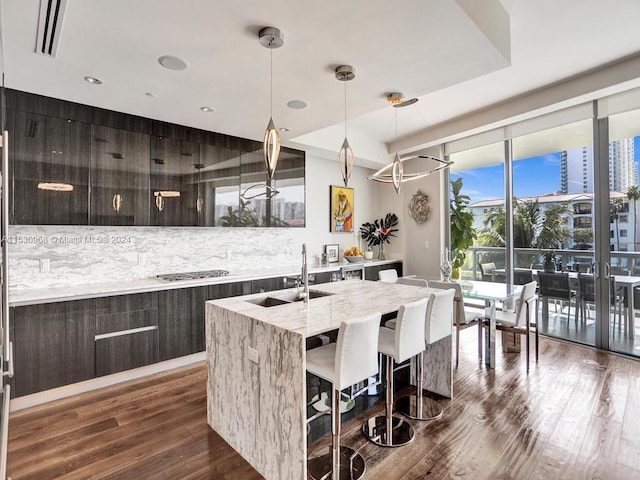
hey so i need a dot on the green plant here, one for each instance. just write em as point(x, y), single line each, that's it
point(548, 255)
point(462, 232)
point(380, 230)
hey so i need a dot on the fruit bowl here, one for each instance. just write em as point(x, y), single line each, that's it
point(353, 258)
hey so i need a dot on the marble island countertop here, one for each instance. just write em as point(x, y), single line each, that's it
point(341, 301)
point(256, 362)
point(32, 296)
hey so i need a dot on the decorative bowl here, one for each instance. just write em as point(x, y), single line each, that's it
point(353, 258)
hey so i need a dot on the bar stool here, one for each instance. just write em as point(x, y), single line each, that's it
point(352, 359)
point(438, 325)
point(406, 341)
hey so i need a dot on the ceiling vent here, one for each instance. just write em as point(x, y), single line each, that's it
point(50, 26)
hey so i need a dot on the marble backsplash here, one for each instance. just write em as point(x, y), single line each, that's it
point(56, 256)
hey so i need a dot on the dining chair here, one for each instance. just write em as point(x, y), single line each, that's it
point(520, 320)
point(465, 316)
point(388, 276)
point(586, 289)
point(486, 269)
point(522, 276)
point(416, 282)
point(555, 286)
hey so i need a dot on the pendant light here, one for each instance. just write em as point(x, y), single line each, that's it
point(271, 37)
point(344, 73)
point(394, 172)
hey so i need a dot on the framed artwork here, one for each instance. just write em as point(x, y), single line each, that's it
point(332, 252)
point(341, 209)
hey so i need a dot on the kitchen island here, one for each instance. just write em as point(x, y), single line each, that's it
point(256, 392)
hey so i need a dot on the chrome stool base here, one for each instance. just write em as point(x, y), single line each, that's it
point(409, 406)
point(319, 464)
point(375, 429)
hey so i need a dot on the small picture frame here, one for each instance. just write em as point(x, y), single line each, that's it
point(332, 251)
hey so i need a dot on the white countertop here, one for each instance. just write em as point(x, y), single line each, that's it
point(348, 299)
point(33, 296)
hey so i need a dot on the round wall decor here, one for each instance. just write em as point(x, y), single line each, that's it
point(419, 208)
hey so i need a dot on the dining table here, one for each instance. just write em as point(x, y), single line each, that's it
point(490, 293)
point(627, 282)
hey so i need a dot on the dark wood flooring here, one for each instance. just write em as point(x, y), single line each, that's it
point(576, 415)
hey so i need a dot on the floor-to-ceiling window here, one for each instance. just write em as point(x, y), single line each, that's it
point(553, 215)
point(624, 152)
point(482, 170)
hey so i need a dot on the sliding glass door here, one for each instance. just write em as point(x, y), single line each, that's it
point(623, 152)
point(553, 219)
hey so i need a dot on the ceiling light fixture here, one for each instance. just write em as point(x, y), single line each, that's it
point(172, 63)
point(271, 37)
point(206, 109)
point(345, 73)
point(259, 190)
point(93, 80)
point(394, 172)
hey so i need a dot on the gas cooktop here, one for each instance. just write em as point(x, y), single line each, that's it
point(173, 277)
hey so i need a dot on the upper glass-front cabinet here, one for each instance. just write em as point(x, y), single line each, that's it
point(77, 165)
point(50, 167)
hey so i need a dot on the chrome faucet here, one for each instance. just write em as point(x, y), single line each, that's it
point(305, 273)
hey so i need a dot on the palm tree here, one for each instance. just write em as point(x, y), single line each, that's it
point(633, 193)
point(533, 227)
point(615, 205)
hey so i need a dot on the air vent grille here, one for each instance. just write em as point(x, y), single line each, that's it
point(50, 26)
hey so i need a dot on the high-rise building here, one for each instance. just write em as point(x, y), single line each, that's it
point(576, 168)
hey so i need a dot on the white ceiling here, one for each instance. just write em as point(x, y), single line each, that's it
point(457, 56)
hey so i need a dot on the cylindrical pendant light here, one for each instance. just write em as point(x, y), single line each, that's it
point(271, 37)
point(344, 73)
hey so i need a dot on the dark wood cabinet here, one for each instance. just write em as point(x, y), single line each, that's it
point(129, 170)
point(371, 273)
point(124, 352)
point(233, 289)
point(175, 167)
point(267, 284)
point(53, 345)
point(126, 332)
point(119, 177)
point(181, 321)
point(50, 170)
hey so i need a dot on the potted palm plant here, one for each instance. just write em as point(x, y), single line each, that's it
point(549, 261)
point(462, 232)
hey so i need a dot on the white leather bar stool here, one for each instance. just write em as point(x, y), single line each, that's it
point(352, 359)
point(438, 325)
point(406, 341)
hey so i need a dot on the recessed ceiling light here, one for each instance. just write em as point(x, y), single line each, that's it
point(297, 104)
point(206, 109)
point(93, 80)
point(150, 94)
point(172, 63)
point(284, 129)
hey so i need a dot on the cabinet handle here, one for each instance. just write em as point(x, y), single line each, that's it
point(120, 333)
point(9, 371)
point(117, 202)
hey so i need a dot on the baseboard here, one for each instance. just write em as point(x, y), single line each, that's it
point(39, 398)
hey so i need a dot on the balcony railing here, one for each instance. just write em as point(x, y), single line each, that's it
point(526, 257)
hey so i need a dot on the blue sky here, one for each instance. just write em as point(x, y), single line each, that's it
point(532, 176)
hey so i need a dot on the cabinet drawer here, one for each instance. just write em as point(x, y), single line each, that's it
point(123, 352)
point(126, 321)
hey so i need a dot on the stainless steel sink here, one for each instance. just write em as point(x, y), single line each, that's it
point(283, 299)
